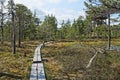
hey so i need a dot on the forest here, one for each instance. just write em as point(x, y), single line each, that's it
point(73, 44)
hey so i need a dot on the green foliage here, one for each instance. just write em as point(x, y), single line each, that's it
point(26, 22)
point(48, 28)
point(72, 31)
point(101, 32)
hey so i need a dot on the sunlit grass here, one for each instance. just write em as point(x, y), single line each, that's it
point(59, 56)
point(69, 59)
point(16, 66)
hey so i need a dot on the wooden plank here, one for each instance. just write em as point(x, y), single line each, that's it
point(37, 69)
point(37, 56)
point(33, 75)
point(41, 73)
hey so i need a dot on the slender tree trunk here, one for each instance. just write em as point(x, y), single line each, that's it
point(13, 29)
point(109, 32)
point(19, 33)
point(2, 35)
point(13, 35)
point(2, 18)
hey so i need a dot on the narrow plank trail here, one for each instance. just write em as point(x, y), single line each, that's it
point(37, 69)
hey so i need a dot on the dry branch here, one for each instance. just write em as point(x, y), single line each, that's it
point(91, 60)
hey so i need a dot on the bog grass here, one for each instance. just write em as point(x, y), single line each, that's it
point(68, 61)
point(16, 66)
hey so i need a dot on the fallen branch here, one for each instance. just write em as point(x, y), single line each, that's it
point(91, 60)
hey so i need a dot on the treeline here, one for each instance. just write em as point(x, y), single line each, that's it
point(29, 27)
point(24, 20)
point(79, 29)
point(17, 23)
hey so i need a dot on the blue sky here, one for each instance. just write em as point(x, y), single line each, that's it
point(62, 9)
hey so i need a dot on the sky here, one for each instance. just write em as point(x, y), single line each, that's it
point(61, 9)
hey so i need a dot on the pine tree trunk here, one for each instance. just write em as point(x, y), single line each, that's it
point(109, 33)
point(19, 34)
point(2, 18)
point(13, 29)
point(2, 35)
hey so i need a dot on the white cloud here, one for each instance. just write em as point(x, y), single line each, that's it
point(43, 8)
point(54, 1)
point(32, 4)
point(65, 14)
point(72, 1)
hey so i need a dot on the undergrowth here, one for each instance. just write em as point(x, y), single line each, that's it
point(68, 61)
point(16, 66)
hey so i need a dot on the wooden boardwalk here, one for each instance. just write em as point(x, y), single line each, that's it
point(37, 69)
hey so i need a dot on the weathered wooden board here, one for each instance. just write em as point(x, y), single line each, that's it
point(37, 69)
